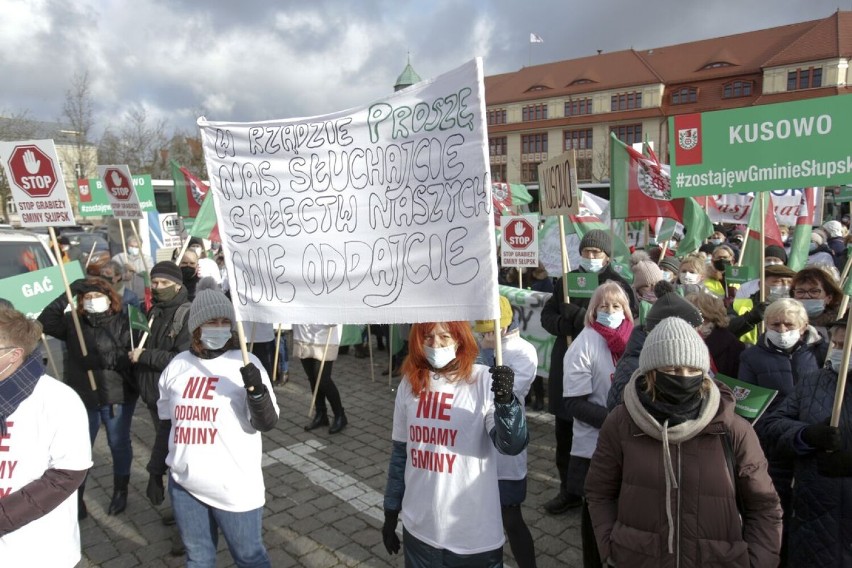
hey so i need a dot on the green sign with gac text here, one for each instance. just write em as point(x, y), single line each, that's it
point(32, 291)
point(778, 146)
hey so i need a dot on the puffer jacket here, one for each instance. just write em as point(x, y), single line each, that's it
point(162, 345)
point(632, 493)
point(108, 338)
point(565, 321)
point(820, 524)
point(767, 366)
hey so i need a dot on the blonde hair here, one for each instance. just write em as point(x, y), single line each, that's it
point(608, 291)
point(711, 307)
point(694, 262)
point(787, 307)
point(18, 331)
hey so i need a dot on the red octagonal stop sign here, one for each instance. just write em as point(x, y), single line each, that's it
point(519, 234)
point(32, 170)
point(119, 185)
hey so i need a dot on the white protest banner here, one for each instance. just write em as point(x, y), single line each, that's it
point(172, 232)
point(38, 188)
point(558, 186)
point(120, 192)
point(519, 240)
point(378, 214)
point(736, 207)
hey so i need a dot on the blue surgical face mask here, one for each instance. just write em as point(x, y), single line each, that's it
point(592, 264)
point(439, 357)
point(215, 337)
point(835, 357)
point(812, 247)
point(716, 241)
point(611, 320)
point(813, 307)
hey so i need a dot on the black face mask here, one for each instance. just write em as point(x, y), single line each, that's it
point(677, 389)
point(188, 273)
point(721, 264)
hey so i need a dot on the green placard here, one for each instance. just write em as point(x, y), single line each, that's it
point(739, 274)
point(98, 205)
point(778, 146)
point(752, 400)
point(843, 194)
point(31, 292)
point(581, 284)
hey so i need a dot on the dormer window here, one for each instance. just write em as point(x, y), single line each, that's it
point(581, 82)
point(717, 64)
point(684, 96)
point(736, 89)
point(537, 88)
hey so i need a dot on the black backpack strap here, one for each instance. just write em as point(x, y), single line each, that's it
point(180, 319)
point(728, 446)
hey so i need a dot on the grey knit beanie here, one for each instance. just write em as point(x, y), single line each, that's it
point(673, 342)
point(597, 238)
point(208, 305)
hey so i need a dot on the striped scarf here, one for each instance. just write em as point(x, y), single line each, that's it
point(18, 386)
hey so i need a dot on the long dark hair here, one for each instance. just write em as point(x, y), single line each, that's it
point(97, 284)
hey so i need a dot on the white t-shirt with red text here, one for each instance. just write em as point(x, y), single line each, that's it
point(451, 498)
point(48, 430)
point(520, 356)
point(214, 451)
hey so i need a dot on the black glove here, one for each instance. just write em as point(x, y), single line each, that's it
point(251, 379)
point(834, 464)
point(154, 491)
point(389, 532)
point(573, 314)
point(822, 437)
point(92, 361)
point(502, 383)
point(755, 316)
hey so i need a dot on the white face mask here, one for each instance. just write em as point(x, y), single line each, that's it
point(689, 278)
point(592, 264)
point(440, 357)
point(96, 305)
point(778, 292)
point(668, 276)
point(784, 340)
point(215, 337)
point(132, 251)
point(835, 357)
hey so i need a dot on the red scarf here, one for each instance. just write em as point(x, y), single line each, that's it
point(616, 339)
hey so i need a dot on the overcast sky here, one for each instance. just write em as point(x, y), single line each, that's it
point(255, 60)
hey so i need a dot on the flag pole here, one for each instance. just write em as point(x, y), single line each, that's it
point(762, 246)
point(566, 267)
point(841, 377)
point(390, 352)
point(277, 347)
point(370, 351)
point(123, 242)
point(663, 252)
point(319, 373)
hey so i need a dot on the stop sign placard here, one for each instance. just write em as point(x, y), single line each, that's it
point(32, 170)
point(520, 234)
point(119, 185)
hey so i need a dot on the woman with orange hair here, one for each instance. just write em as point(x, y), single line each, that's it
point(450, 420)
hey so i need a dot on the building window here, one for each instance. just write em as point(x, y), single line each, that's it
point(628, 133)
point(497, 146)
point(578, 106)
point(626, 101)
point(578, 139)
point(804, 79)
point(737, 89)
point(584, 169)
point(684, 96)
point(497, 116)
point(498, 172)
point(533, 143)
point(534, 112)
point(529, 172)
point(582, 82)
point(716, 65)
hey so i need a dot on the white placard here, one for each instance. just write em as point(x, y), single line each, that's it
point(120, 191)
point(378, 214)
point(519, 240)
point(558, 191)
point(38, 188)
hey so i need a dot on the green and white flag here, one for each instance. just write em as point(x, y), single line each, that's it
point(137, 319)
point(752, 400)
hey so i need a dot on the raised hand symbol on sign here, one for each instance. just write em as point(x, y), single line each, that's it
point(519, 228)
point(31, 162)
point(116, 178)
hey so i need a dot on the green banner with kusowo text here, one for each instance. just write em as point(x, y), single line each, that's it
point(776, 146)
point(93, 201)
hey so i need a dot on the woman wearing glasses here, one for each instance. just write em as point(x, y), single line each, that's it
point(820, 295)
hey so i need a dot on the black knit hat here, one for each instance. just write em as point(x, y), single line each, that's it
point(599, 239)
point(670, 304)
point(777, 252)
point(168, 270)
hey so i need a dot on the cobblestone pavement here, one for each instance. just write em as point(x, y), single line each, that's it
point(324, 493)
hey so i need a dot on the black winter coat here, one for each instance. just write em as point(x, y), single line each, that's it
point(162, 345)
point(107, 337)
point(567, 321)
point(821, 521)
